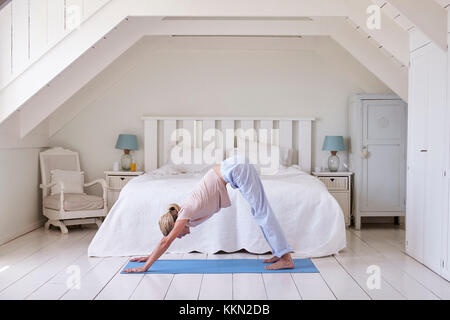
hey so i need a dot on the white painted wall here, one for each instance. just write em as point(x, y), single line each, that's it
point(20, 210)
point(183, 76)
point(20, 197)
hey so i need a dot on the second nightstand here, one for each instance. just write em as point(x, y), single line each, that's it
point(339, 184)
point(115, 181)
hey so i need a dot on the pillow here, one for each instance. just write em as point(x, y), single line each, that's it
point(196, 161)
point(73, 181)
point(284, 159)
point(286, 156)
point(193, 168)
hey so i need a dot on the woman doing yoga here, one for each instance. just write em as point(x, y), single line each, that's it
point(209, 197)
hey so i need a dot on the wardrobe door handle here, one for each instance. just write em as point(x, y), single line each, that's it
point(364, 152)
point(423, 150)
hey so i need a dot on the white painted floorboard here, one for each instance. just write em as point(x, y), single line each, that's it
point(248, 286)
point(344, 287)
point(311, 286)
point(280, 286)
point(20, 269)
point(153, 287)
point(40, 264)
point(56, 287)
point(96, 279)
point(186, 286)
point(391, 271)
point(217, 286)
point(357, 268)
point(40, 275)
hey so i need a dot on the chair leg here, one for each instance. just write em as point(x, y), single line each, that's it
point(61, 225)
point(57, 223)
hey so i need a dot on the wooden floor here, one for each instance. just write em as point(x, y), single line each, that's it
point(43, 265)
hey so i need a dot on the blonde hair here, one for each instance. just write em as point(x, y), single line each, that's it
point(167, 220)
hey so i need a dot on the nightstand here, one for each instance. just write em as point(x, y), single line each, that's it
point(339, 184)
point(115, 181)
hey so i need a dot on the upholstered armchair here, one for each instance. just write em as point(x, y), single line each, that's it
point(61, 205)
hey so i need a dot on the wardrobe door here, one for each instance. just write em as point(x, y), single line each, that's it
point(383, 170)
point(436, 153)
point(417, 155)
point(446, 211)
point(446, 235)
point(426, 195)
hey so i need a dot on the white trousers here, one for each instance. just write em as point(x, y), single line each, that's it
point(242, 175)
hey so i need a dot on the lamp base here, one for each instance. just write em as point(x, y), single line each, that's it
point(125, 161)
point(333, 162)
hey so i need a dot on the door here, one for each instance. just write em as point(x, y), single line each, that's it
point(383, 169)
point(435, 163)
point(417, 156)
point(427, 144)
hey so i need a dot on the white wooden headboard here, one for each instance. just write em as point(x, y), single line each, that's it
point(292, 133)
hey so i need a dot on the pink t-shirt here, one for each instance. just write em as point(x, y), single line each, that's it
point(208, 197)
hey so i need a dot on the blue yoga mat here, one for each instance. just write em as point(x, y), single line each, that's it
point(221, 266)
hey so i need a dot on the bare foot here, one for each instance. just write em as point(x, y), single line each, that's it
point(284, 263)
point(271, 260)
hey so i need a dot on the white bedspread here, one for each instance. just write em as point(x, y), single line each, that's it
point(310, 217)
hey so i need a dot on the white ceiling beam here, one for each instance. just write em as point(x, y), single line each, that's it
point(443, 3)
point(10, 137)
point(393, 75)
point(391, 36)
point(426, 15)
point(78, 74)
point(236, 8)
point(220, 27)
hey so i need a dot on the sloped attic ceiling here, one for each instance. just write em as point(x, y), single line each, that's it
point(334, 56)
point(384, 52)
point(48, 100)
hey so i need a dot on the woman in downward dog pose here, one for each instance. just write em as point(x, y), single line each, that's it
point(209, 197)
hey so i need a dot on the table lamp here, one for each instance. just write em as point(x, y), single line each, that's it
point(333, 144)
point(126, 142)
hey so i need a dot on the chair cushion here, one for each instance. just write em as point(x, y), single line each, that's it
point(74, 202)
point(73, 181)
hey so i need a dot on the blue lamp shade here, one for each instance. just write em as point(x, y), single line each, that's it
point(334, 143)
point(127, 142)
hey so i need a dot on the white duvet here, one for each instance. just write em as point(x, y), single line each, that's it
point(311, 218)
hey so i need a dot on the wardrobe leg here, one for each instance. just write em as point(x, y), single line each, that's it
point(358, 222)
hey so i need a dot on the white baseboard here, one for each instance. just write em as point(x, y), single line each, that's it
point(21, 232)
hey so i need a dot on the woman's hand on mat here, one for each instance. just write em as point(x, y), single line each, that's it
point(135, 270)
point(141, 259)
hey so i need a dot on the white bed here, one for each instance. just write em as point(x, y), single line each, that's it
point(309, 215)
